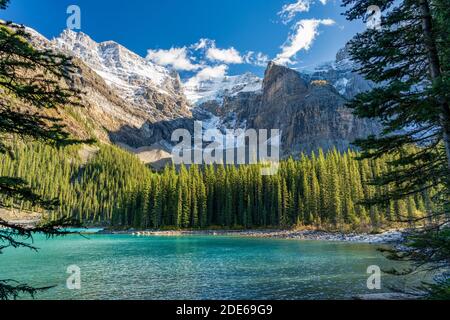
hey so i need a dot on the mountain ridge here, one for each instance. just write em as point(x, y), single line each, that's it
point(134, 103)
point(308, 109)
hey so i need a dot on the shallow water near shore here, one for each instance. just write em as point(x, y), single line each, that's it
point(197, 267)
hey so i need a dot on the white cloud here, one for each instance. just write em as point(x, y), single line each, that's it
point(203, 43)
point(208, 73)
point(212, 72)
point(289, 11)
point(302, 37)
point(258, 59)
point(228, 56)
point(174, 57)
point(206, 57)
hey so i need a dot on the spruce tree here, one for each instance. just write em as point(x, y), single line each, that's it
point(30, 84)
point(408, 60)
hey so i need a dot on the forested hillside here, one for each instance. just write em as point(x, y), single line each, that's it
point(95, 191)
point(114, 188)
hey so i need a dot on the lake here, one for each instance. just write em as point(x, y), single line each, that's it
point(197, 267)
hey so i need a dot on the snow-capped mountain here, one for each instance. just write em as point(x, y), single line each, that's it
point(338, 73)
point(216, 89)
point(132, 102)
point(129, 74)
point(126, 99)
point(308, 108)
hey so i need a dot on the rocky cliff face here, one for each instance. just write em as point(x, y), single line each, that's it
point(309, 110)
point(310, 113)
point(127, 100)
point(149, 87)
point(134, 103)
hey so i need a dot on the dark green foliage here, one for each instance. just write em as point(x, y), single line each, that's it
point(10, 289)
point(3, 4)
point(114, 188)
point(31, 83)
point(409, 61)
point(406, 100)
point(440, 290)
point(104, 189)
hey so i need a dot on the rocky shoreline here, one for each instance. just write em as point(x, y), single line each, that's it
point(388, 237)
point(394, 236)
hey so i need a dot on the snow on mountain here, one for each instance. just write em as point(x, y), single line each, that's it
point(119, 67)
point(135, 103)
point(341, 74)
point(131, 75)
point(215, 89)
point(341, 85)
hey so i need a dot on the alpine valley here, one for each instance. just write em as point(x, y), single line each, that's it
point(131, 107)
point(95, 139)
point(133, 103)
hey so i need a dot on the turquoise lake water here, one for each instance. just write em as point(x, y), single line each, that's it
point(197, 267)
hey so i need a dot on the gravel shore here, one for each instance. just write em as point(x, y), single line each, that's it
point(388, 237)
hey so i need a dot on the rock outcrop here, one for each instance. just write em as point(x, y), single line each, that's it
point(134, 103)
point(308, 109)
point(127, 100)
point(311, 114)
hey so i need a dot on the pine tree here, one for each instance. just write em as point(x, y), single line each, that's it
point(115, 188)
point(408, 58)
point(30, 80)
point(203, 205)
point(179, 219)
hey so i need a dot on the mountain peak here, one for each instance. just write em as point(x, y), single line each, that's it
point(274, 67)
point(134, 78)
point(343, 54)
point(70, 36)
point(279, 73)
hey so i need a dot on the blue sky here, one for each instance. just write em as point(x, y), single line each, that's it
point(306, 33)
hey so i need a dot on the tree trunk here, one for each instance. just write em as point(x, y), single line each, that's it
point(436, 72)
